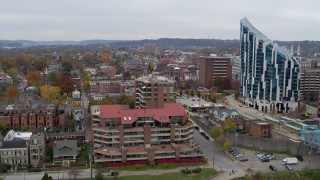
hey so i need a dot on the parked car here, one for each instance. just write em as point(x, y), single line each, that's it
point(203, 133)
point(272, 157)
point(206, 137)
point(288, 167)
point(243, 159)
point(299, 157)
point(273, 168)
point(265, 160)
point(239, 155)
point(196, 128)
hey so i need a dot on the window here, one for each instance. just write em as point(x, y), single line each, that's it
point(34, 156)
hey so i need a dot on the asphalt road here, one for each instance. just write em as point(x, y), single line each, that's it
point(214, 153)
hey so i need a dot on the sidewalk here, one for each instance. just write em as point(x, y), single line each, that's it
point(156, 171)
point(226, 175)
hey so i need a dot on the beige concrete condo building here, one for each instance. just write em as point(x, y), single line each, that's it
point(123, 136)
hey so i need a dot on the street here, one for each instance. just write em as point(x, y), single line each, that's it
point(213, 152)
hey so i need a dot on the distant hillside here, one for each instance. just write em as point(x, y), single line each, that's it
point(28, 43)
point(182, 43)
point(308, 48)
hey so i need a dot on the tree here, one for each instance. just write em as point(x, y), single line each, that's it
point(126, 75)
point(179, 91)
point(69, 123)
point(66, 84)
point(3, 126)
point(41, 64)
point(217, 82)
point(4, 167)
point(66, 67)
point(198, 94)
point(52, 77)
point(216, 132)
point(86, 85)
point(51, 93)
point(151, 67)
point(46, 177)
point(33, 78)
point(229, 125)
point(99, 176)
point(12, 72)
point(227, 144)
point(25, 128)
point(104, 57)
point(11, 93)
point(236, 95)
point(220, 140)
point(192, 93)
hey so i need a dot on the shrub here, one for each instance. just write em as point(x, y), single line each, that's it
point(4, 167)
point(185, 171)
point(147, 163)
point(196, 170)
point(137, 166)
point(205, 160)
point(34, 170)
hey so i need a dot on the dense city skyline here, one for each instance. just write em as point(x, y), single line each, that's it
point(142, 19)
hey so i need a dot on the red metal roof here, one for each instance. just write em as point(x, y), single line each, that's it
point(129, 116)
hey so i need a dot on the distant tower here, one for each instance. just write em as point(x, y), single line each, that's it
point(298, 51)
point(292, 48)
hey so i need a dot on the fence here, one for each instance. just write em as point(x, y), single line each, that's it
point(266, 143)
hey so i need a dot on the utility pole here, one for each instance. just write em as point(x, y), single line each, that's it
point(212, 156)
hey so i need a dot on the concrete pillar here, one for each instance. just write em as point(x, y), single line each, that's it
point(121, 135)
point(172, 133)
point(147, 134)
point(124, 152)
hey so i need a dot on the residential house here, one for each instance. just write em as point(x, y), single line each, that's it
point(218, 116)
point(37, 149)
point(65, 150)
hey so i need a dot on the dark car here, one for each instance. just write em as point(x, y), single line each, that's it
point(196, 128)
point(203, 133)
point(299, 157)
point(265, 160)
point(243, 159)
point(273, 168)
point(206, 137)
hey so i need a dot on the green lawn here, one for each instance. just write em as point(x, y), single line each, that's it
point(203, 175)
point(305, 174)
point(144, 167)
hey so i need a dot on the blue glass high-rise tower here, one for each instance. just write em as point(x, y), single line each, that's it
point(268, 71)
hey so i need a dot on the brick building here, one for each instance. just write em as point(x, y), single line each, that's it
point(260, 129)
point(152, 91)
point(34, 115)
point(213, 67)
point(310, 84)
point(123, 136)
point(106, 86)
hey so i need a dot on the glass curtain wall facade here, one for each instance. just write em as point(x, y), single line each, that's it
point(268, 71)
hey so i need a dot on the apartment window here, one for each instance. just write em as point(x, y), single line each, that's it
point(34, 156)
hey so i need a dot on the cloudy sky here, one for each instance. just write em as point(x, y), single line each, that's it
point(152, 19)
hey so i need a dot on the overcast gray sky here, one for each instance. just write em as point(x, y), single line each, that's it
point(152, 19)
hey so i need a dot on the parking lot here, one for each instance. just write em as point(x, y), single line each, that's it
point(256, 164)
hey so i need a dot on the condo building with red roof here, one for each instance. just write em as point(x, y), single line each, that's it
point(123, 136)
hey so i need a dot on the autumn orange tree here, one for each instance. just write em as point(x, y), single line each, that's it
point(104, 57)
point(11, 93)
point(34, 78)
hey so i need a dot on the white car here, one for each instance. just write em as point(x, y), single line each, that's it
point(239, 155)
